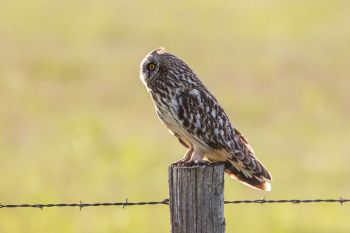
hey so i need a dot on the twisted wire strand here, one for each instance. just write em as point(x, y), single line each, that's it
point(293, 201)
point(166, 202)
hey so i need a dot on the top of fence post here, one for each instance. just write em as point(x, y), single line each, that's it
point(197, 199)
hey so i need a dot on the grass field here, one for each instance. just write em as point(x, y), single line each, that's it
point(77, 124)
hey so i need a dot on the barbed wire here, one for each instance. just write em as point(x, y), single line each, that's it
point(293, 201)
point(82, 205)
point(166, 202)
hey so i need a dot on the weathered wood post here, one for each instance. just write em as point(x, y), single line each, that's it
point(197, 199)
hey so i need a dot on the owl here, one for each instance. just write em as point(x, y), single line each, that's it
point(193, 115)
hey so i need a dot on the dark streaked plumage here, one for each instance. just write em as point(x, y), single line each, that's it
point(193, 115)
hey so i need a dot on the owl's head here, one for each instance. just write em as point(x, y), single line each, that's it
point(165, 67)
point(150, 66)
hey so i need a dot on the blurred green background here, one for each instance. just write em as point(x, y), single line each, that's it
point(77, 124)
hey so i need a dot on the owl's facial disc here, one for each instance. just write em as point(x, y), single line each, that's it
point(149, 68)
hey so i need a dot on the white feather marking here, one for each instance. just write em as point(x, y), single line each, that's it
point(216, 131)
point(194, 92)
point(201, 105)
point(222, 133)
point(198, 121)
point(175, 104)
point(267, 186)
point(213, 113)
point(220, 121)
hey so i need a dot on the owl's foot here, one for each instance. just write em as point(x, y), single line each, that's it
point(179, 163)
point(190, 163)
point(202, 162)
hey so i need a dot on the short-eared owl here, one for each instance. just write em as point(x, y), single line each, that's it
point(193, 115)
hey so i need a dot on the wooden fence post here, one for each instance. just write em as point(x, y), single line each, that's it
point(197, 199)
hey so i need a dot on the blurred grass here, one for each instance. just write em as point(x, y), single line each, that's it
point(77, 124)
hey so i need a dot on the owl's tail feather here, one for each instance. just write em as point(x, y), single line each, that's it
point(245, 176)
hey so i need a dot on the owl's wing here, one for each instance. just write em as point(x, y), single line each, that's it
point(201, 115)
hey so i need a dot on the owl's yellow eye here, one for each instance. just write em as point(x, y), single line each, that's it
point(151, 66)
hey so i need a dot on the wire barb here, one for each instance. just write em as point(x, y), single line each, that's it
point(126, 202)
point(81, 205)
point(166, 201)
point(262, 200)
